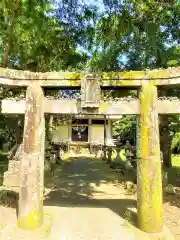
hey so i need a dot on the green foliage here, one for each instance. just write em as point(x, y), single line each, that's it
point(136, 35)
point(126, 35)
point(123, 127)
point(176, 143)
point(34, 39)
point(174, 58)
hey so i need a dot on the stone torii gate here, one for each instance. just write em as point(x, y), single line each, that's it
point(148, 106)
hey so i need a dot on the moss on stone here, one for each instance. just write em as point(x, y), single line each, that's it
point(134, 75)
point(157, 73)
point(74, 75)
point(65, 156)
point(149, 165)
point(74, 83)
point(131, 78)
point(103, 107)
point(32, 220)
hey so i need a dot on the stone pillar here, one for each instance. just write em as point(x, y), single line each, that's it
point(89, 129)
point(109, 131)
point(149, 179)
point(11, 177)
point(30, 213)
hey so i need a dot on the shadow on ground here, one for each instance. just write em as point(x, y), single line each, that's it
point(88, 183)
point(174, 176)
point(174, 180)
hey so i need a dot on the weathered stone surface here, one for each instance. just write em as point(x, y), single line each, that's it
point(32, 161)
point(13, 166)
point(149, 179)
point(165, 234)
point(90, 92)
point(11, 179)
point(73, 79)
point(106, 107)
point(12, 151)
point(18, 153)
point(99, 154)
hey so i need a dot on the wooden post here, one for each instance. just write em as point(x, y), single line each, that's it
point(149, 179)
point(30, 214)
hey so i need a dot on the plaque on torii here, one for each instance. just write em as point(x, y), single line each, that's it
point(90, 91)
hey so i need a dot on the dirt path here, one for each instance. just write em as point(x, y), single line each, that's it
point(83, 200)
point(87, 182)
point(172, 214)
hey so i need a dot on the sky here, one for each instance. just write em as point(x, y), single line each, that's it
point(98, 3)
point(100, 6)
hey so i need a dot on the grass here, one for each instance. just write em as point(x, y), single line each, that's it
point(176, 161)
point(174, 172)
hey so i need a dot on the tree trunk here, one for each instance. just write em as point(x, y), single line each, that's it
point(165, 143)
point(165, 137)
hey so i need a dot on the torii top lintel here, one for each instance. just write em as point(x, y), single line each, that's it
point(10, 77)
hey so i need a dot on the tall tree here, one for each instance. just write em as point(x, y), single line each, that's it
point(33, 38)
point(136, 35)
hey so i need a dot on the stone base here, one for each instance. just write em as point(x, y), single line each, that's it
point(164, 235)
point(100, 154)
point(13, 166)
point(11, 179)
